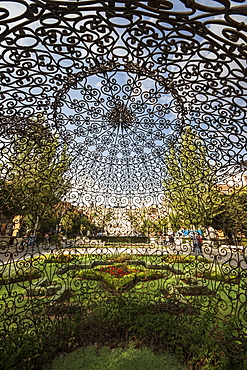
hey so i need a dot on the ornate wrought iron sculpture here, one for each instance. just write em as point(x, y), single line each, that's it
point(99, 94)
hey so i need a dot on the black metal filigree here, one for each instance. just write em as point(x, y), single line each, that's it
point(102, 104)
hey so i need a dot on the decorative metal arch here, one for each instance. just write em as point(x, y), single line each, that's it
point(195, 61)
point(117, 83)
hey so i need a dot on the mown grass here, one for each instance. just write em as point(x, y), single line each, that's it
point(214, 276)
point(106, 358)
point(95, 307)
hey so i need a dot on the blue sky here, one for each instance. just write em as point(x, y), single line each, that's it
point(141, 161)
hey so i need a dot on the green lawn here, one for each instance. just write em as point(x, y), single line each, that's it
point(106, 358)
point(57, 298)
point(61, 273)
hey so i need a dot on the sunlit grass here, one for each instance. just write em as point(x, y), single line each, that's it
point(106, 358)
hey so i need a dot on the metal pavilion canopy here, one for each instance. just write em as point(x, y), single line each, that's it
point(113, 85)
point(118, 81)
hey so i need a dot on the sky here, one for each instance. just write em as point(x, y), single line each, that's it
point(127, 162)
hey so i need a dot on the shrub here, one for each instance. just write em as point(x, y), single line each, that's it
point(118, 320)
point(174, 258)
point(120, 277)
point(12, 275)
point(124, 239)
point(59, 258)
point(121, 258)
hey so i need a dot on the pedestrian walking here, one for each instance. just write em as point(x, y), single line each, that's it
point(199, 243)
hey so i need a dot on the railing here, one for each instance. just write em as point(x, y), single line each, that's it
point(127, 118)
point(56, 299)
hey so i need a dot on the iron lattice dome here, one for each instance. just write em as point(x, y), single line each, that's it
point(164, 65)
point(113, 86)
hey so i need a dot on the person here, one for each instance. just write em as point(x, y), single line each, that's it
point(199, 243)
point(194, 241)
point(64, 240)
point(211, 233)
point(47, 238)
point(24, 241)
point(181, 232)
point(171, 236)
point(31, 240)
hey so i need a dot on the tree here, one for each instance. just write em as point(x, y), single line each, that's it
point(147, 221)
point(231, 217)
point(35, 174)
point(76, 222)
point(189, 185)
point(101, 218)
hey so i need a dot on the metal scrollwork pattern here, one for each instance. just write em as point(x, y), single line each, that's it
point(122, 140)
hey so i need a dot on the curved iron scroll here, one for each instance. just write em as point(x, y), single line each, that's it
point(115, 117)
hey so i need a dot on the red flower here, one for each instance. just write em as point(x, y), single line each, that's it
point(117, 271)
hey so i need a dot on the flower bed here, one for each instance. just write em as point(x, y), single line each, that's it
point(120, 277)
point(118, 271)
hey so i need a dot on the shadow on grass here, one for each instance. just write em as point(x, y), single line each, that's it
point(105, 358)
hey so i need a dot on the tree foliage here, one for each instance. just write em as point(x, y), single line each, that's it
point(34, 173)
point(147, 222)
point(232, 214)
point(101, 217)
point(190, 182)
point(75, 223)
